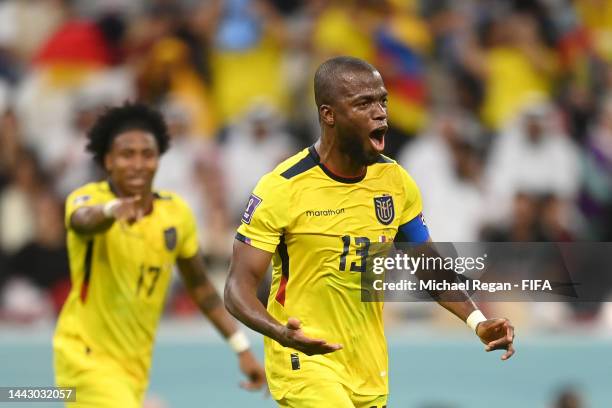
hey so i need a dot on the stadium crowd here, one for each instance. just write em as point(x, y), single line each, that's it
point(501, 111)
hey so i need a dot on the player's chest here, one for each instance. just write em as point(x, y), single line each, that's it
point(141, 257)
point(368, 211)
point(147, 240)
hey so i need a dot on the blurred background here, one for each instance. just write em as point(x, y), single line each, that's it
point(501, 110)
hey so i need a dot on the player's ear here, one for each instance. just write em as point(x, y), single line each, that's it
point(326, 113)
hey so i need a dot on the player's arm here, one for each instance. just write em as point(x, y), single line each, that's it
point(92, 219)
point(497, 333)
point(207, 298)
point(247, 269)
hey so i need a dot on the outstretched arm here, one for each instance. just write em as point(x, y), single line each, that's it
point(93, 219)
point(205, 295)
point(248, 267)
point(208, 300)
point(496, 333)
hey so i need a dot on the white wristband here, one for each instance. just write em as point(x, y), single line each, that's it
point(109, 207)
point(474, 318)
point(239, 342)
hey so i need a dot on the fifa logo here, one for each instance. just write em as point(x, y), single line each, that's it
point(385, 211)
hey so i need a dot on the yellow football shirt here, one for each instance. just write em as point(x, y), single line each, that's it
point(120, 278)
point(319, 227)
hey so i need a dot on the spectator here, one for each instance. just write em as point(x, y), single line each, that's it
point(515, 64)
point(252, 147)
point(531, 155)
point(596, 197)
point(17, 226)
point(246, 59)
point(191, 169)
point(447, 163)
point(43, 261)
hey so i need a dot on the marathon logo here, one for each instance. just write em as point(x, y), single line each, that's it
point(324, 213)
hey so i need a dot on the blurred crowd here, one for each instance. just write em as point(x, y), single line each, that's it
point(500, 109)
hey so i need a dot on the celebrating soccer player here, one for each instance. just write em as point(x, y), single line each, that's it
point(315, 216)
point(123, 240)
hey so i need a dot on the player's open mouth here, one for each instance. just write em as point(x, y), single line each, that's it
point(136, 181)
point(377, 138)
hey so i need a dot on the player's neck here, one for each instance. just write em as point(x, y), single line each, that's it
point(337, 162)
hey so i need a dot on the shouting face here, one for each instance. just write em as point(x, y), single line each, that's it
point(359, 115)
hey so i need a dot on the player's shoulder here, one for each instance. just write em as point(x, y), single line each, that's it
point(286, 171)
point(295, 165)
point(384, 160)
point(174, 208)
point(170, 198)
point(386, 165)
point(89, 191)
point(392, 171)
point(98, 187)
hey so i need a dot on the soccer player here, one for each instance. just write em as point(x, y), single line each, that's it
point(315, 216)
point(123, 240)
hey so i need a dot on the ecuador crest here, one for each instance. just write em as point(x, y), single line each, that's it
point(385, 211)
point(170, 238)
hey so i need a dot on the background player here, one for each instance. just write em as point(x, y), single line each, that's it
point(315, 216)
point(123, 240)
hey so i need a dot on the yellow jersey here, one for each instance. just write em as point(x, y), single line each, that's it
point(319, 227)
point(120, 278)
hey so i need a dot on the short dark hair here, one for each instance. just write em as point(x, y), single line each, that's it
point(129, 116)
point(326, 77)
